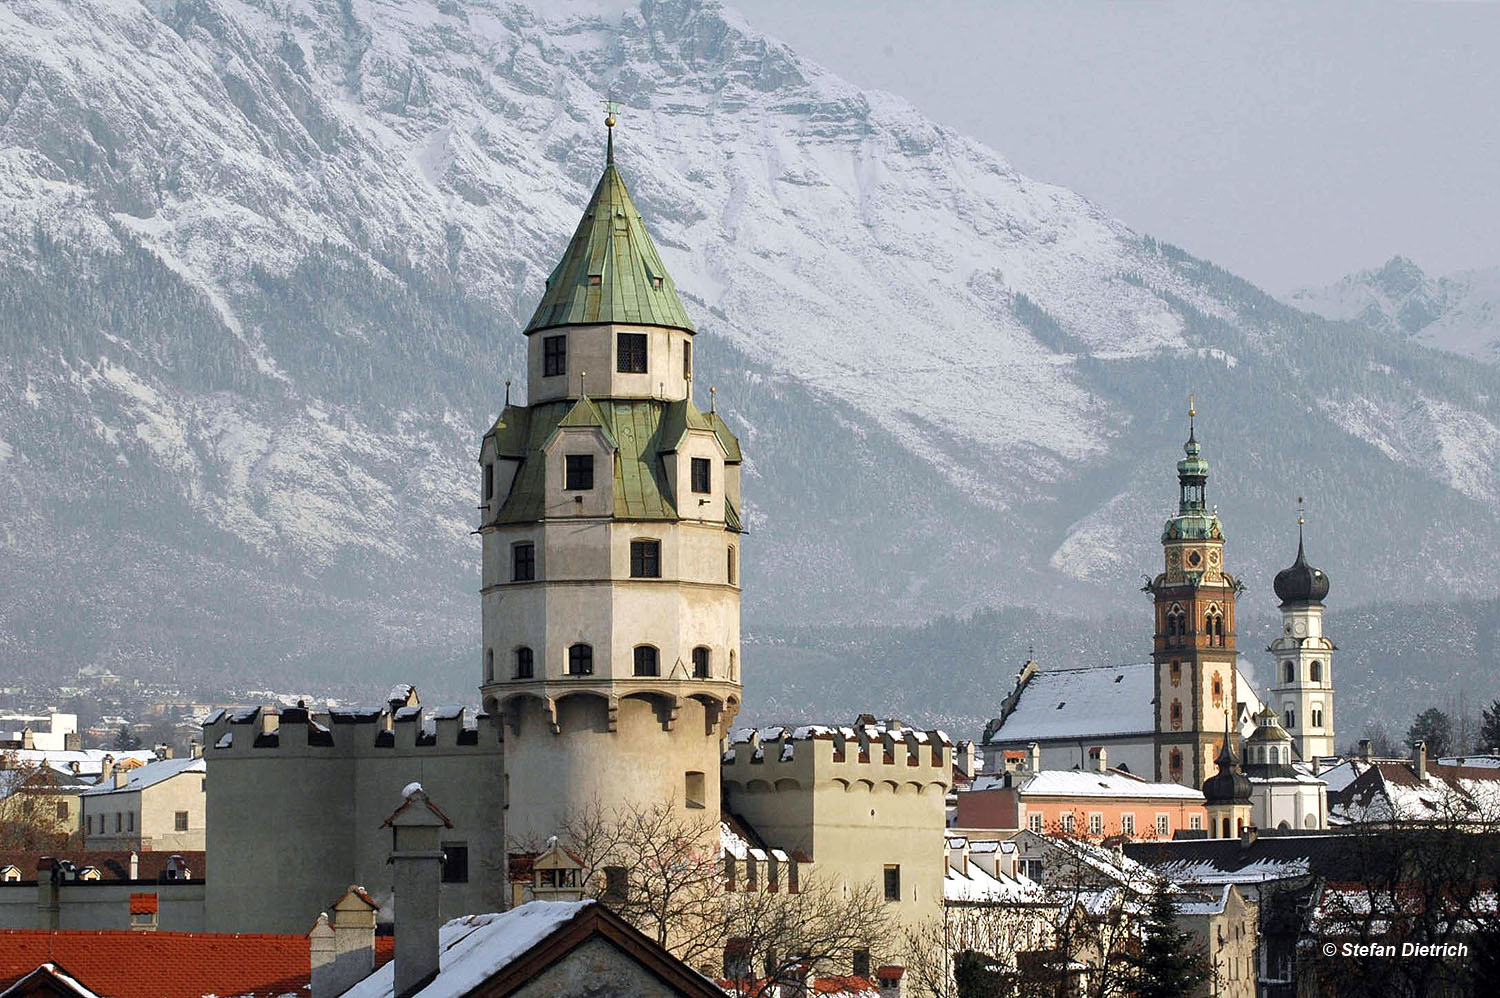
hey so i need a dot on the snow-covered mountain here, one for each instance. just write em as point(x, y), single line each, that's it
point(1460, 312)
point(263, 266)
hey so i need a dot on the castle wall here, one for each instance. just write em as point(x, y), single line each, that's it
point(858, 800)
point(293, 821)
point(98, 905)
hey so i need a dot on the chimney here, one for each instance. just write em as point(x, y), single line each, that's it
point(889, 978)
point(1248, 837)
point(48, 904)
point(135, 865)
point(964, 757)
point(195, 750)
point(343, 953)
point(1034, 757)
point(162, 750)
point(121, 776)
point(1366, 749)
point(417, 858)
point(106, 768)
point(1419, 759)
point(1101, 758)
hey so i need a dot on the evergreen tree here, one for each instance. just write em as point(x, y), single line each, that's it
point(125, 741)
point(1489, 727)
point(1433, 727)
point(1170, 964)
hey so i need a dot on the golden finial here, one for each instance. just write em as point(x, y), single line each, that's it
point(1192, 406)
point(610, 107)
point(583, 377)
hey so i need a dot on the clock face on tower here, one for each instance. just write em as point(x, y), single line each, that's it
point(1299, 628)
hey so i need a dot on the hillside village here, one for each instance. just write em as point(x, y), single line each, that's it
point(598, 820)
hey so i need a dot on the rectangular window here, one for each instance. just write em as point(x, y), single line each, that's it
point(1066, 823)
point(1033, 869)
point(455, 862)
point(88, 824)
point(646, 661)
point(728, 871)
point(752, 873)
point(578, 473)
point(130, 821)
point(892, 882)
point(1034, 822)
point(1127, 824)
point(616, 883)
point(793, 882)
point(695, 794)
point(581, 660)
point(489, 482)
point(1195, 822)
point(731, 566)
point(523, 562)
point(700, 662)
point(524, 663)
point(702, 475)
point(554, 356)
point(119, 821)
point(861, 963)
point(62, 810)
point(645, 559)
point(687, 358)
point(179, 820)
point(630, 353)
point(1163, 824)
point(1096, 824)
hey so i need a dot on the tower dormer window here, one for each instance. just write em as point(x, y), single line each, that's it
point(647, 661)
point(630, 353)
point(581, 660)
point(645, 559)
point(523, 562)
point(554, 356)
point(578, 472)
point(702, 475)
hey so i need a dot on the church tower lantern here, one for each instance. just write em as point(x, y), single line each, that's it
point(610, 523)
point(1194, 649)
point(1303, 688)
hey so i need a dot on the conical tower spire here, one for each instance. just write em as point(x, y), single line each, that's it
point(611, 271)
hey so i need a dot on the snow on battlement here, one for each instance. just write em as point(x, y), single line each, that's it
point(395, 726)
point(880, 745)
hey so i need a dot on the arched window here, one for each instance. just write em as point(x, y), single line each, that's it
point(700, 662)
point(1291, 717)
point(1317, 672)
point(1224, 829)
point(646, 661)
point(1213, 625)
point(1291, 671)
point(525, 666)
point(489, 664)
point(1176, 621)
point(1174, 764)
point(581, 660)
point(1317, 717)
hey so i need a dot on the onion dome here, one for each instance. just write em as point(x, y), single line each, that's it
point(1229, 785)
point(1301, 583)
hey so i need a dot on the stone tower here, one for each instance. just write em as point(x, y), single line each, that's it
point(611, 527)
point(1303, 690)
point(1194, 650)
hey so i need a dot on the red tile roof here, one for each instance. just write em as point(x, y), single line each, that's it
point(123, 964)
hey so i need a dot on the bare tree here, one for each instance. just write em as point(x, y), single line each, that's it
point(28, 802)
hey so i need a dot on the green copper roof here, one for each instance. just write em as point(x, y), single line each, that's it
point(642, 431)
point(610, 272)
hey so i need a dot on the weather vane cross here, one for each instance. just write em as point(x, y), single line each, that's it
point(611, 108)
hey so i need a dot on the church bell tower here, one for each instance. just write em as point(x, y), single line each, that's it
point(610, 519)
point(1194, 652)
point(1303, 689)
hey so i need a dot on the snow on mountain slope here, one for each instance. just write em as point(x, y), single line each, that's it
point(1460, 312)
point(264, 263)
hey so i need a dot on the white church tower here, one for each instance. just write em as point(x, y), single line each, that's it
point(611, 528)
point(1303, 688)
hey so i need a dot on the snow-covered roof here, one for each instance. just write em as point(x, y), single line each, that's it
point(1390, 790)
point(474, 948)
point(149, 775)
point(1096, 702)
point(1212, 905)
point(975, 884)
point(1081, 783)
point(90, 761)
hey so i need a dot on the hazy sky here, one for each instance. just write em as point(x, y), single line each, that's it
point(1290, 143)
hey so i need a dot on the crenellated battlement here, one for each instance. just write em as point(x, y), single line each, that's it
point(868, 752)
point(402, 724)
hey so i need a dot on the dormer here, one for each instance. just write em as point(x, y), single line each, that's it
point(694, 459)
point(500, 456)
point(557, 874)
point(580, 458)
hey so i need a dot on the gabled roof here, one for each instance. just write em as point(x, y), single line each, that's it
point(1081, 783)
point(112, 864)
point(498, 954)
point(150, 775)
point(125, 964)
point(610, 271)
point(639, 430)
